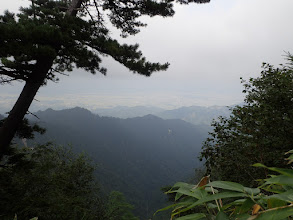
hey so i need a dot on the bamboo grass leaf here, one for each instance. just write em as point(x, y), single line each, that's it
point(276, 214)
point(286, 172)
point(211, 198)
point(196, 216)
point(280, 180)
point(286, 196)
point(227, 185)
point(222, 216)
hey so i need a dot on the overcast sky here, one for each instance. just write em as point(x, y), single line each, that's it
point(209, 46)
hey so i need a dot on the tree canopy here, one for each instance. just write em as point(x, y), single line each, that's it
point(45, 32)
point(261, 130)
point(51, 182)
point(51, 37)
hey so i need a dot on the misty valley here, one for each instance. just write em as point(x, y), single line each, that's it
point(137, 156)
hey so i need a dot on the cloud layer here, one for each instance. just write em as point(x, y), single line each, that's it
point(209, 47)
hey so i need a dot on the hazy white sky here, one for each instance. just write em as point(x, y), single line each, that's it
point(209, 46)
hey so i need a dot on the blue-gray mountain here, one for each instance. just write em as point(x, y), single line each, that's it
point(128, 112)
point(198, 115)
point(137, 156)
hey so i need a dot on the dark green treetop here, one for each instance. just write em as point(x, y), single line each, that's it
point(52, 182)
point(46, 31)
point(259, 131)
point(49, 182)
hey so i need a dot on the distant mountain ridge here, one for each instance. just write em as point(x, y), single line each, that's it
point(198, 115)
point(136, 155)
point(128, 112)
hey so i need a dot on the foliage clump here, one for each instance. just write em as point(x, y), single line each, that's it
point(224, 200)
point(260, 130)
point(52, 182)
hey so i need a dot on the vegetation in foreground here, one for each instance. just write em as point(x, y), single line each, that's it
point(258, 131)
point(261, 130)
point(51, 182)
point(224, 200)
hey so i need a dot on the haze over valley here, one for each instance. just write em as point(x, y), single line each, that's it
point(136, 156)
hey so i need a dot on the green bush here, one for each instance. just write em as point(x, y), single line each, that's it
point(258, 131)
point(223, 200)
point(51, 182)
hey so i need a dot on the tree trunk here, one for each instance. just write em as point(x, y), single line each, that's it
point(20, 108)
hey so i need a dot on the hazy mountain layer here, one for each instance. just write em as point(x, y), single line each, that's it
point(198, 115)
point(136, 156)
point(128, 112)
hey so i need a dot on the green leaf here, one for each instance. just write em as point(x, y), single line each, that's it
point(273, 203)
point(237, 202)
point(187, 201)
point(286, 172)
point(246, 206)
point(252, 191)
point(165, 208)
point(222, 216)
point(184, 185)
point(290, 152)
point(208, 189)
point(227, 185)
point(178, 196)
point(196, 216)
point(212, 205)
point(285, 196)
point(290, 158)
point(196, 193)
point(211, 198)
point(259, 165)
point(276, 214)
point(281, 180)
point(244, 216)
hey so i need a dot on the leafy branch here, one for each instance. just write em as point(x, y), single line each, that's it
point(224, 200)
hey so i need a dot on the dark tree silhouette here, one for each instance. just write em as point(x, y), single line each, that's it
point(51, 37)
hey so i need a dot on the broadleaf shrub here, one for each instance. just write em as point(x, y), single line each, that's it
point(221, 200)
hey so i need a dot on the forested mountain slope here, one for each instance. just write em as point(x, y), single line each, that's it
point(136, 156)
